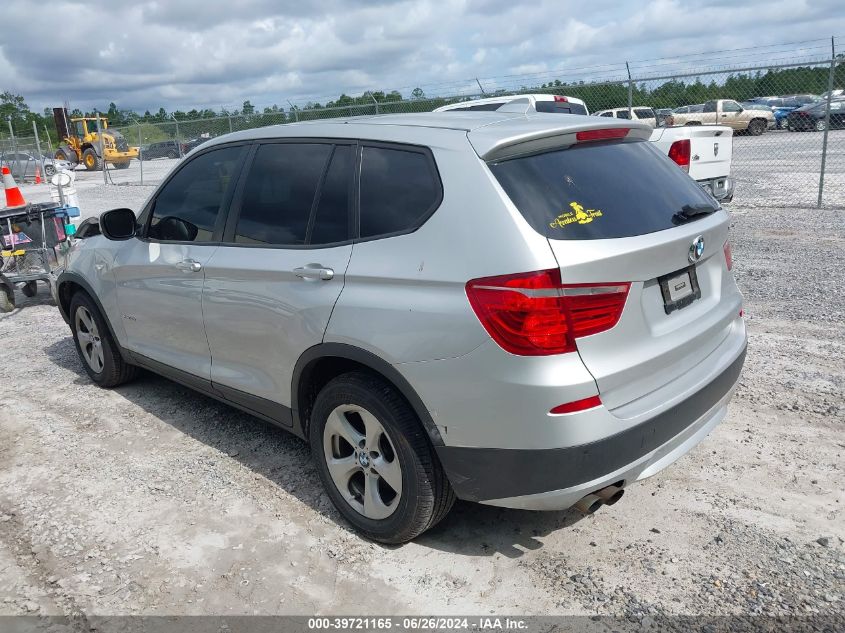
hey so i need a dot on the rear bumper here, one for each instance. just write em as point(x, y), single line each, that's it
point(720, 188)
point(556, 478)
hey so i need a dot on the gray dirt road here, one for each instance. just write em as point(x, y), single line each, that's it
point(152, 499)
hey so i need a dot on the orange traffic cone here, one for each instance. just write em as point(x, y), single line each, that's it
point(37, 174)
point(14, 198)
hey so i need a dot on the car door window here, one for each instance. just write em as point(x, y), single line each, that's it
point(730, 106)
point(400, 189)
point(279, 193)
point(189, 207)
point(623, 114)
point(610, 114)
point(644, 113)
point(330, 223)
point(710, 106)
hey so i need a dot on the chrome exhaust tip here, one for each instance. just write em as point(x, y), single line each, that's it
point(610, 494)
point(588, 504)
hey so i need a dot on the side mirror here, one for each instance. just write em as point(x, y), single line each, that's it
point(118, 224)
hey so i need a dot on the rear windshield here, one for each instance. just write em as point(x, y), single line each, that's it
point(600, 190)
point(560, 106)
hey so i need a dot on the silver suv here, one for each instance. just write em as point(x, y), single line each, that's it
point(524, 311)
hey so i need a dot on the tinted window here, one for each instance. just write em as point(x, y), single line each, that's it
point(563, 107)
point(331, 222)
point(599, 190)
point(710, 106)
point(188, 206)
point(623, 114)
point(610, 114)
point(644, 113)
point(279, 193)
point(398, 190)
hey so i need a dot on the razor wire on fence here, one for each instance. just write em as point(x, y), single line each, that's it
point(788, 120)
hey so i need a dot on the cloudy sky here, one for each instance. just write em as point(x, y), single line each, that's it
point(207, 53)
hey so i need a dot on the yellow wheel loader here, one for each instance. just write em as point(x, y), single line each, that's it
point(81, 142)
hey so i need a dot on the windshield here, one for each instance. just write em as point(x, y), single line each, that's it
point(601, 190)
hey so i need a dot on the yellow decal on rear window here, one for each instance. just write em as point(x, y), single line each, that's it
point(578, 214)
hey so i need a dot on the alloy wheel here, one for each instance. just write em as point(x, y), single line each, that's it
point(89, 339)
point(362, 461)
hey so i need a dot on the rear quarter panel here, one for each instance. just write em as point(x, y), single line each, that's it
point(404, 298)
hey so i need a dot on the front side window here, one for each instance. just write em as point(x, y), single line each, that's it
point(644, 113)
point(189, 206)
point(731, 106)
point(279, 193)
point(710, 106)
point(623, 114)
point(399, 190)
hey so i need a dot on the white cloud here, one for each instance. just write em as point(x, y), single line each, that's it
point(210, 53)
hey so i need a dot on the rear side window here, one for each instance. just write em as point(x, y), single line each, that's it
point(188, 207)
point(331, 218)
point(279, 193)
point(399, 190)
point(623, 114)
point(599, 190)
point(563, 107)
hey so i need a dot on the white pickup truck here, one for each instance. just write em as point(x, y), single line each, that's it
point(704, 152)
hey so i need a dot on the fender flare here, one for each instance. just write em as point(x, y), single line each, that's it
point(370, 360)
point(79, 280)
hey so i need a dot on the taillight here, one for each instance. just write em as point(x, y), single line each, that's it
point(534, 314)
point(729, 260)
point(602, 135)
point(559, 99)
point(680, 153)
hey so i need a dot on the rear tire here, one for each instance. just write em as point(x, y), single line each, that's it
point(30, 289)
point(820, 126)
point(173, 154)
point(7, 298)
point(90, 160)
point(756, 127)
point(372, 436)
point(96, 348)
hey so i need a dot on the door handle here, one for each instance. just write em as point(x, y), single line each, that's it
point(314, 271)
point(189, 266)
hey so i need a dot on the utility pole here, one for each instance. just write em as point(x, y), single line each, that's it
point(480, 86)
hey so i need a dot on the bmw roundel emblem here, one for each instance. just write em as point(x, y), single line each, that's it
point(696, 249)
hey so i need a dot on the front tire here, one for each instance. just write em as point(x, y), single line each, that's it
point(756, 127)
point(820, 125)
point(375, 459)
point(96, 348)
point(90, 160)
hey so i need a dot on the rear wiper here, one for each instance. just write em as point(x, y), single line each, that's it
point(689, 212)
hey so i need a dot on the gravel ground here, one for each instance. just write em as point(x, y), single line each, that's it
point(151, 499)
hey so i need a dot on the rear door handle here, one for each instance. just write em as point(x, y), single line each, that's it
point(189, 266)
point(314, 271)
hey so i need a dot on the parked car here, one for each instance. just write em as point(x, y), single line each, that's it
point(537, 311)
point(782, 106)
point(646, 115)
point(194, 142)
point(699, 107)
point(833, 93)
point(163, 149)
point(558, 104)
point(729, 112)
point(23, 164)
point(812, 116)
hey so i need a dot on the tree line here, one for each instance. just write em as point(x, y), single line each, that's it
point(667, 94)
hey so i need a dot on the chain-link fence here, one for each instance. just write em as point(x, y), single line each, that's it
point(788, 120)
